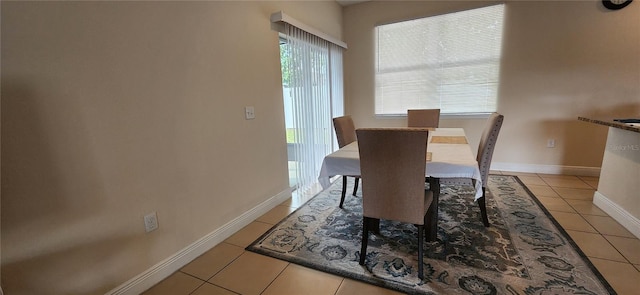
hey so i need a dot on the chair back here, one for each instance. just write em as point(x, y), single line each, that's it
point(426, 118)
point(345, 130)
point(488, 144)
point(392, 169)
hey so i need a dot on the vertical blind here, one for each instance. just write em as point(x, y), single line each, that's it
point(449, 61)
point(314, 72)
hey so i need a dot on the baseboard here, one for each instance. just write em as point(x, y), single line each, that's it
point(165, 268)
point(546, 169)
point(618, 213)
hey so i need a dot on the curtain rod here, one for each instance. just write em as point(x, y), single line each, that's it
point(282, 17)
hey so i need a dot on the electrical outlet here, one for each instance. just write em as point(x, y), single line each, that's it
point(151, 222)
point(249, 113)
point(551, 143)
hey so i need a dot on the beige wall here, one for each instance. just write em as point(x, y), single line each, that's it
point(561, 60)
point(111, 110)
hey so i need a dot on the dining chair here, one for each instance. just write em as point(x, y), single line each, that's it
point(485, 154)
point(392, 167)
point(423, 118)
point(346, 134)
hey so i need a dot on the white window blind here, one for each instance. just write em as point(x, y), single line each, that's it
point(313, 94)
point(449, 61)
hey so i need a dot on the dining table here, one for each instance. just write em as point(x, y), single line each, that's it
point(449, 156)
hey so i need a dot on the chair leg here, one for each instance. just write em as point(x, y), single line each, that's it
point(483, 208)
point(365, 239)
point(434, 184)
point(427, 225)
point(355, 186)
point(344, 190)
point(420, 252)
point(374, 225)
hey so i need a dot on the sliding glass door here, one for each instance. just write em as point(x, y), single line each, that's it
point(313, 95)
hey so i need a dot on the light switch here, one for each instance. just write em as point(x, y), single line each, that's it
point(551, 143)
point(249, 113)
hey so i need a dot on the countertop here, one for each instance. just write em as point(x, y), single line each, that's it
point(611, 123)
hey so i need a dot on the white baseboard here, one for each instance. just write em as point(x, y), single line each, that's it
point(546, 169)
point(618, 213)
point(165, 268)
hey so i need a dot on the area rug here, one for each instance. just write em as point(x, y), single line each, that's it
point(524, 251)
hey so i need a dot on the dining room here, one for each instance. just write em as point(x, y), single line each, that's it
point(538, 93)
point(114, 110)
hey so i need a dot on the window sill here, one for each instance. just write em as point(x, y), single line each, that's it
point(442, 116)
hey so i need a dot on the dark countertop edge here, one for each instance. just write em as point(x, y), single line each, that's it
point(610, 123)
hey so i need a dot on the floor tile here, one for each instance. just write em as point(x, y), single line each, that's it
point(531, 180)
point(629, 247)
point(176, 284)
point(296, 200)
point(556, 204)
point(518, 173)
point(565, 181)
point(595, 245)
point(585, 207)
point(212, 261)
point(621, 276)
point(249, 274)
point(209, 289)
point(608, 226)
point(276, 214)
point(575, 193)
point(542, 191)
point(248, 234)
point(572, 221)
point(297, 279)
point(558, 176)
point(590, 180)
point(351, 287)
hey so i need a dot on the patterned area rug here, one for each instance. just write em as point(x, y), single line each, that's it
point(523, 252)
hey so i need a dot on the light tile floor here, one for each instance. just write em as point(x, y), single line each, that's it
point(229, 269)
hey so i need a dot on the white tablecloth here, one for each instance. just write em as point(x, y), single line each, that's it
point(448, 160)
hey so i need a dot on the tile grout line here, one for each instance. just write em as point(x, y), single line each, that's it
point(338, 290)
point(200, 286)
point(225, 266)
point(274, 279)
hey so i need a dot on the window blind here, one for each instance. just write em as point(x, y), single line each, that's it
point(449, 61)
point(313, 90)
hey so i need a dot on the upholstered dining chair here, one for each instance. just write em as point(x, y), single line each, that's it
point(485, 154)
point(346, 134)
point(423, 118)
point(392, 168)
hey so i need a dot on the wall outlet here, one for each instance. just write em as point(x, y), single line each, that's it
point(551, 143)
point(249, 113)
point(151, 222)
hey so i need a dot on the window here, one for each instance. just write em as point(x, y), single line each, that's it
point(449, 61)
